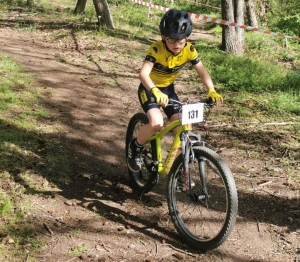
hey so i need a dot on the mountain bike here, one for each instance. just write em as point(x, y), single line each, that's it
point(201, 193)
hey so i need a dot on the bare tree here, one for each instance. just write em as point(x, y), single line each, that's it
point(102, 10)
point(233, 38)
point(250, 13)
point(80, 6)
point(228, 32)
point(239, 7)
point(262, 11)
point(103, 13)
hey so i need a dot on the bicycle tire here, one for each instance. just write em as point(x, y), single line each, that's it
point(205, 224)
point(144, 180)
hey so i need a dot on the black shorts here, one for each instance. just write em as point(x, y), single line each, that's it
point(145, 99)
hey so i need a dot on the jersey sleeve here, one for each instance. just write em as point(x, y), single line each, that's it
point(193, 54)
point(152, 53)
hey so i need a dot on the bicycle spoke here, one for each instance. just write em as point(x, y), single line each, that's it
point(206, 221)
point(144, 180)
point(205, 218)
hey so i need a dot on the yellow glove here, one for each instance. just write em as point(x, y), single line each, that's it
point(215, 97)
point(161, 98)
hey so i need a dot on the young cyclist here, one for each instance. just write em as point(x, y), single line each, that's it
point(163, 62)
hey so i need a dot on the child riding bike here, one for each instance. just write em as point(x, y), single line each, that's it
point(163, 62)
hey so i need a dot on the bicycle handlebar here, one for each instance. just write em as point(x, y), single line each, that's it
point(172, 102)
point(207, 101)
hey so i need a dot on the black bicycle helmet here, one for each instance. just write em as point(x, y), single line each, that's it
point(176, 24)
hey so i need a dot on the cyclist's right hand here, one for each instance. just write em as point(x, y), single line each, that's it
point(161, 98)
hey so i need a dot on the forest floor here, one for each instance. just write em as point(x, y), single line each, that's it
point(91, 89)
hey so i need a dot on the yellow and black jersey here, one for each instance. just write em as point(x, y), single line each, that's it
point(166, 64)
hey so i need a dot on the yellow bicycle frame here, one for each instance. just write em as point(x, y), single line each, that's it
point(164, 168)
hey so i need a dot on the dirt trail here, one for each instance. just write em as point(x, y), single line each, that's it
point(92, 94)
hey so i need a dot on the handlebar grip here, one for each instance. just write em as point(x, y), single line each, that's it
point(152, 99)
point(207, 101)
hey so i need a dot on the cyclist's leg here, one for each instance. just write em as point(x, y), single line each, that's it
point(154, 115)
point(155, 124)
point(172, 114)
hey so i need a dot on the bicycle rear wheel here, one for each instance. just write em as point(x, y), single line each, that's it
point(144, 180)
point(205, 220)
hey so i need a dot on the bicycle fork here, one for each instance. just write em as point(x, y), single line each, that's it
point(188, 155)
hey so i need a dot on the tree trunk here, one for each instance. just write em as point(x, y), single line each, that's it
point(228, 32)
point(80, 6)
point(29, 3)
point(239, 7)
point(103, 13)
point(233, 40)
point(250, 13)
point(262, 12)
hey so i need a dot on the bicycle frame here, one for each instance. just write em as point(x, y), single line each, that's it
point(164, 168)
point(201, 192)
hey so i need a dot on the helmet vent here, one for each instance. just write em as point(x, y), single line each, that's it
point(183, 27)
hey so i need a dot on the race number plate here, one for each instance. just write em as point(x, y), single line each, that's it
point(192, 113)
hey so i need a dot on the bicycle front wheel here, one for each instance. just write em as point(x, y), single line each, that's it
point(144, 180)
point(205, 217)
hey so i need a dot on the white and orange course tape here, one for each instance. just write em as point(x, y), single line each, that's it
point(219, 21)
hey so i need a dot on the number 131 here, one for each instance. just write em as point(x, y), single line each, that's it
point(193, 114)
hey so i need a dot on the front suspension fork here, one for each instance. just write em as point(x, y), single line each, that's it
point(186, 147)
point(187, 156)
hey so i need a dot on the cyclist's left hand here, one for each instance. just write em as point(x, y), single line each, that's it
point(215, 97)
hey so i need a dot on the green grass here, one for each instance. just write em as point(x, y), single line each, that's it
point(6, 206)
point(78, 250)
point(262, 87)
point(24, 146)
point(268, 69)
point(267, 76)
